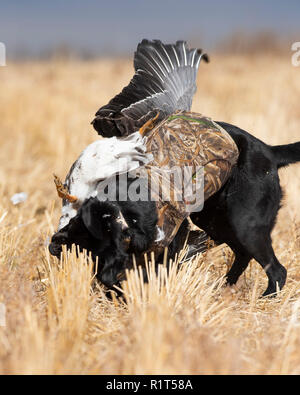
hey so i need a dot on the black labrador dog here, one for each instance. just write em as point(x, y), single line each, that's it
point(241, 214)
point(112, 231)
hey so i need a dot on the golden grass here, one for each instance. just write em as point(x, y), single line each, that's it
point(58, 320)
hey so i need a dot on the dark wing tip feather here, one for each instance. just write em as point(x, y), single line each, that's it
point(206, 58)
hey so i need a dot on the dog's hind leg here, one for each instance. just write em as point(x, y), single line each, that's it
point(264, 254)
point(274, 270)
point(251, 215)
point(258, 245)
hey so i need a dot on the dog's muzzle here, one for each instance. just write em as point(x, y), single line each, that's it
point(55, 247)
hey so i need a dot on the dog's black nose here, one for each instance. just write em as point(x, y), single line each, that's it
point(58, 239)
point(55, 249)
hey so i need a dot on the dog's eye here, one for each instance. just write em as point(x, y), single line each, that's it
point(106, 215)
point(134, 220)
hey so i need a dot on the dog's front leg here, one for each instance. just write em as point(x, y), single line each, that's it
point(239, 265)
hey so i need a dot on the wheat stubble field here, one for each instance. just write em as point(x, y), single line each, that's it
point(58, 321)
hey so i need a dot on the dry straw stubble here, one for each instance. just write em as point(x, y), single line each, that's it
point(57, 319)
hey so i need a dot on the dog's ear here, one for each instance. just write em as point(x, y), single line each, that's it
point(91, 218)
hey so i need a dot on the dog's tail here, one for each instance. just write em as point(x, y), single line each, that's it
point(287, 154)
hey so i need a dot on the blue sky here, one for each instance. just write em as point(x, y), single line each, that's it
point(116, 26)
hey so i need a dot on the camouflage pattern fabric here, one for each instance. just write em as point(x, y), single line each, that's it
point(186, 140)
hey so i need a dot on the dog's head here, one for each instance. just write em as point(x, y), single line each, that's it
point(100, 228)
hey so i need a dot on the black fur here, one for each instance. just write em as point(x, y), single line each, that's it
point(96, 230)
point(243, 213)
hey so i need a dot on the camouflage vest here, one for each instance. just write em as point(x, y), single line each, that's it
point(186, 141)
